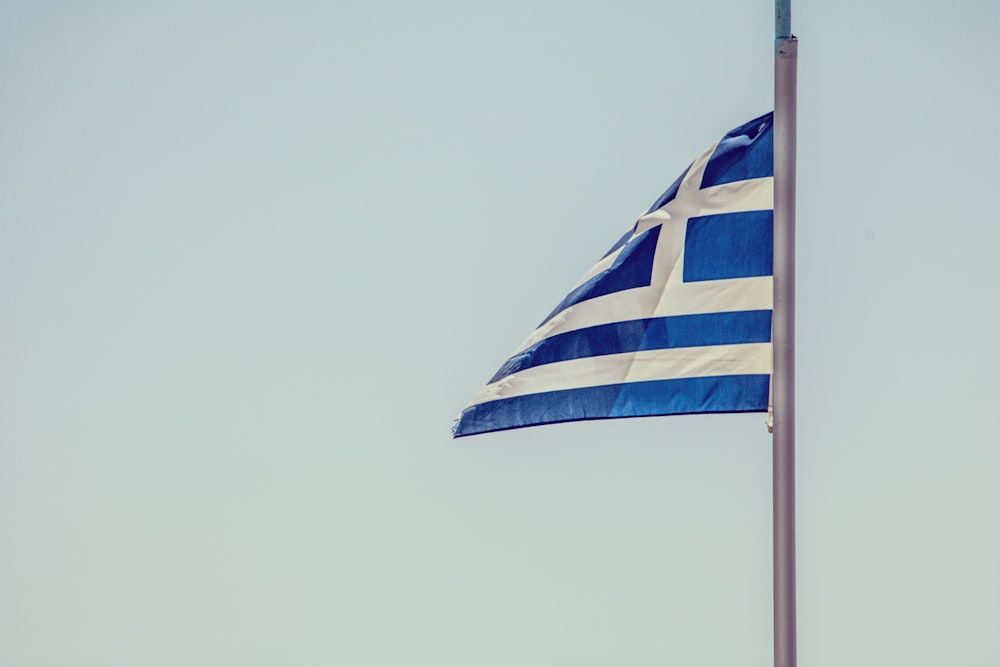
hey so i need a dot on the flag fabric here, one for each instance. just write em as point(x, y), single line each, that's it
point(674, 319)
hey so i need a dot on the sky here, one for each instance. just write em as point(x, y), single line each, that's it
point(255, 257)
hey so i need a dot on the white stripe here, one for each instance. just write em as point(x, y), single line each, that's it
point(677, 298)
point(673, 363)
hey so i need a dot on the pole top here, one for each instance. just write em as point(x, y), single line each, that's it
point(782, 19)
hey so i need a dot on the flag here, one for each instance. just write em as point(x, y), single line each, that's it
point(674, 319)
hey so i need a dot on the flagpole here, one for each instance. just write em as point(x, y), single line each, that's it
point(783, 375)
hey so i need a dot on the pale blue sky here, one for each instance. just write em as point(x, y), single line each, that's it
point(255, 257)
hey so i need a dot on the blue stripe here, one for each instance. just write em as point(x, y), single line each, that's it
point(726, 393)
point(731, 328)
point(729, 245)
point(632, 268)
point(746, 152)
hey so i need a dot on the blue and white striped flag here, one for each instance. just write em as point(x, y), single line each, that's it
point(674, 319)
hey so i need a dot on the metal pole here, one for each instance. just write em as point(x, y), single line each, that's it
point(783, 376)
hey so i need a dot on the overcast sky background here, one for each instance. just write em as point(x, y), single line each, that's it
point(256, 257)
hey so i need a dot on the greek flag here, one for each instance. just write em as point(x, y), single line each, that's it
point(674, 319)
